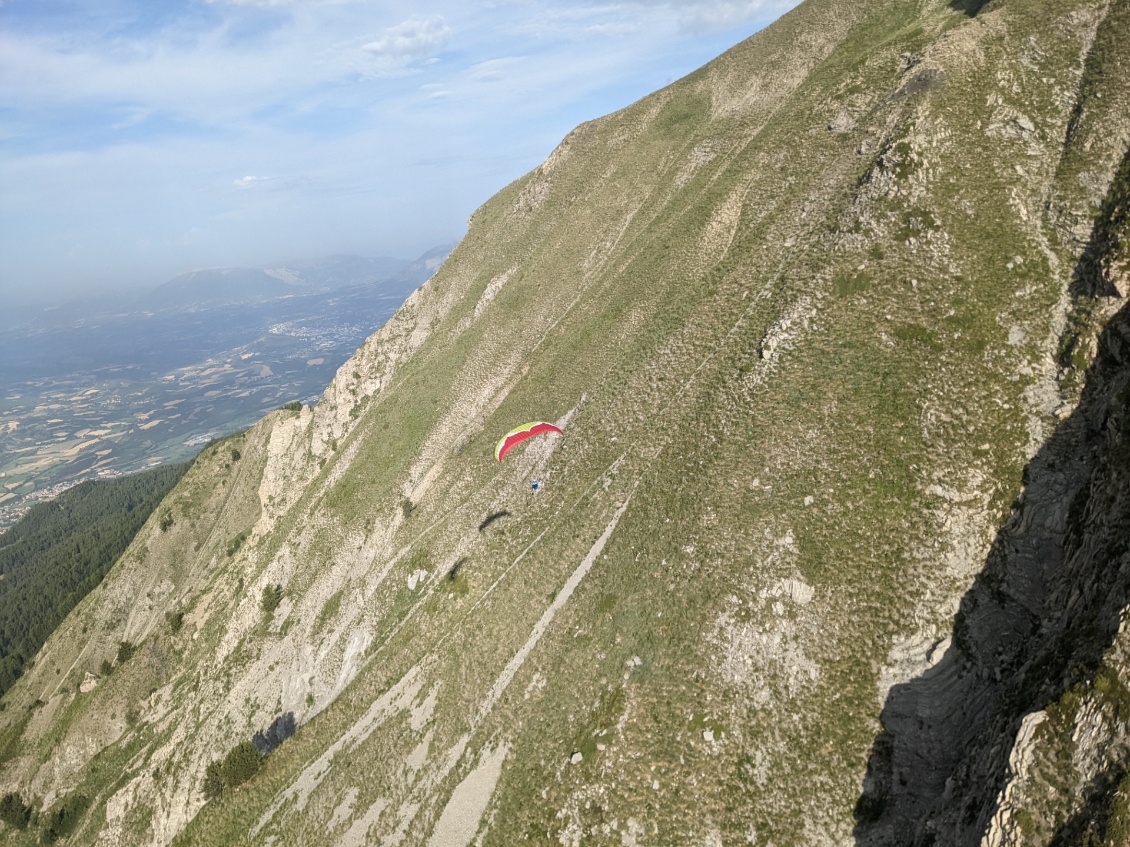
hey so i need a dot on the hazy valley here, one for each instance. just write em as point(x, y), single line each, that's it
point(99, 389)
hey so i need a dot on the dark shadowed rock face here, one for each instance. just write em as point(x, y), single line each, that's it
point(1040, 630)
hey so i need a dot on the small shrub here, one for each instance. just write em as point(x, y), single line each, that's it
point(125, 652)
point(240, 764)
point(916, 223)
point(213, 786)
point(175, 620)
point(235, 454)
point(62, 820)
point(166, 521)
point(236, 543)
point(13, 811)
point(272, 596)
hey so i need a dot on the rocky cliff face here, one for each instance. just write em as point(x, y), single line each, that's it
point(1019, 733)
point(828, 554)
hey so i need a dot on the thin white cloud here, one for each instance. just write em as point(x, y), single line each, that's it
point(248, 182)
point(612, 28)
point(413, 41)
point(491, 69)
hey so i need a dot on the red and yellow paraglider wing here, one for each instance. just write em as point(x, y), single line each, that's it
point(517, 436)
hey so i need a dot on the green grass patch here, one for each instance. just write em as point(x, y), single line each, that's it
point(329, 610)
point(600, 723)
point(850, 283)
point(920, 336)
point(11, 735)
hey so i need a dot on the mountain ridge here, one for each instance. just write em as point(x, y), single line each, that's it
point(224, 286)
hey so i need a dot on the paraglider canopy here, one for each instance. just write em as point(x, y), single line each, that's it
point(517, 436)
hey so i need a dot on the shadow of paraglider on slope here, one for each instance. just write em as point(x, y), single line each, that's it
point(970, 8)
point(491, 518)
point(455, 570)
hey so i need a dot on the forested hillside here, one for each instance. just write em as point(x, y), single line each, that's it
point(56, 553)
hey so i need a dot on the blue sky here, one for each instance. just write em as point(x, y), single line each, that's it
point(143, 138)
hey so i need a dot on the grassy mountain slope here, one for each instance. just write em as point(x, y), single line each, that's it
point(805, 317)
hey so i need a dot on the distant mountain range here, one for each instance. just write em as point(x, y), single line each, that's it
point(226, 286)
point(104, 331)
